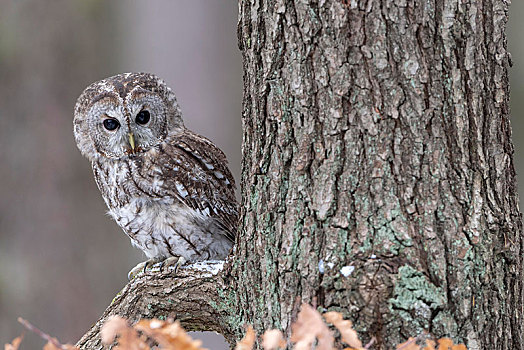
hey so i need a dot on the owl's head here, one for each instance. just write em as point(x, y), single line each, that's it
point(124, 115)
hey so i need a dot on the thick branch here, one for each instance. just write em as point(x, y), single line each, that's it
point(190, 296)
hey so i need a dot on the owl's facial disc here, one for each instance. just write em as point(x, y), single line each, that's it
point(129, 126)
point(147, 118)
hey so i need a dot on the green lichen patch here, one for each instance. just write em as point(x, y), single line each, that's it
point(415, 299)
point(226, 302)
point(413, 287)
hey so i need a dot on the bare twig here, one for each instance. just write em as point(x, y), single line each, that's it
point(42, 334)
point(409, 342)
point(371, 342)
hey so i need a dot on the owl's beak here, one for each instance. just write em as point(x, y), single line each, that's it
point(132, 141)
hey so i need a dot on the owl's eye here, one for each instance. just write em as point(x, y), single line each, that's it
point(142, 117)
point(111, 124)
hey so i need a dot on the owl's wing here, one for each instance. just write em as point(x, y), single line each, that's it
point(190, 168)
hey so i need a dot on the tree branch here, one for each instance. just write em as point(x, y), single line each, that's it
point(190, 296)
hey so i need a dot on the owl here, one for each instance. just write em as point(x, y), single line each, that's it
point(168, 188)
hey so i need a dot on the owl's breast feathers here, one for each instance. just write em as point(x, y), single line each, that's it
point(185, 179)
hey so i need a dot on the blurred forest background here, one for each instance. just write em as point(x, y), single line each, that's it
point(62, 260)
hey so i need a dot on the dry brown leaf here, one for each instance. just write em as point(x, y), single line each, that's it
point(430, 345)
point(14, 344)
point(459, 347)
point(345, 327)
point(248, 341)
point(308, 326)
point(168, 334)
point(111, 328)
point(444, 343)
point(410, 344)
point(273, 339)
point(447, 344)
point(128, 338)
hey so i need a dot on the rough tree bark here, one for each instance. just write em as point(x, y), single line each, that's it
point(377, 177)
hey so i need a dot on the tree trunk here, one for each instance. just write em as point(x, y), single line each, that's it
point(377, 149)
point(377, 173)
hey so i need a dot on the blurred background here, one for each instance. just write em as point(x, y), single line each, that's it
point(62, 260)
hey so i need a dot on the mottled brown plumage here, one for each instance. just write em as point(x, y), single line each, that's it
point(168, 188)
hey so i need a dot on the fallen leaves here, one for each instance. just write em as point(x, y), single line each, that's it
point(308, 327)
point(14, 344)
point(273, 339)
point(128, 337)
point(309, 331)
point(167, 334)
point(248, 341)
point(345, 327)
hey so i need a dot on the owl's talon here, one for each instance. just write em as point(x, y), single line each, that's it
point(135, 271)
point(142, 268)
point(172, 261)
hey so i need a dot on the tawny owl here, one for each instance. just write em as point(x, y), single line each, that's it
point(168, 188)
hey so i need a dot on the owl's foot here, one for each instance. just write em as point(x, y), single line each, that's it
point(171, 263)
point(143, 267)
